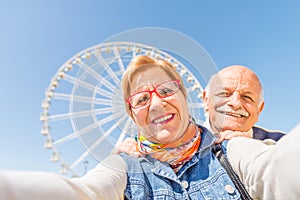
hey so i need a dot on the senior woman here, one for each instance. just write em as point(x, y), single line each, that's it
point(178, 163)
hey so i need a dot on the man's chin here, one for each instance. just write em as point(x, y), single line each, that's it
point(232, 125)
point(232, 121)
point(234, 128)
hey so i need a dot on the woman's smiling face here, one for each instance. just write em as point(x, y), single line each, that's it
point(163, 120)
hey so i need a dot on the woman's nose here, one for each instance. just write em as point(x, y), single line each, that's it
point(156, 102)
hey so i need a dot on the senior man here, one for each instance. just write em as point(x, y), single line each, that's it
point(233, 101)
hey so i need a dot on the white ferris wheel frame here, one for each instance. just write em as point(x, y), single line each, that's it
point(83, 104)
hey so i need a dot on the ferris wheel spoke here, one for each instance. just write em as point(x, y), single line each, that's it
point(107, 133)
point(82, 114)
point(88, 69)
point(110, 86)
point(70, 115)
point(107, 68)
point(124, 131)
point(118, 56)
point(67, 138)
point(103, 92)
point(91, 148)
point(80, 159)
point(101, 111)
point(83, 99)
point(108, 119)
point(87, 129)
point(102, 102)
point(76, 134)
point(119, 103)
point(87, 86)
point(60, 117)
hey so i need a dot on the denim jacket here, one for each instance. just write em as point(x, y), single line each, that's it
point(202, 177)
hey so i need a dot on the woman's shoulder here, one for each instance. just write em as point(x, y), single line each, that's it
point(207, 137)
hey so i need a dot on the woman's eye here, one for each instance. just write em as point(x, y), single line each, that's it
point(140, 99)
point(165, 91)
point(143, 99)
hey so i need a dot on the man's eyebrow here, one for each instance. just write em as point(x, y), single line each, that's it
point(248, 93)
point(222, 89)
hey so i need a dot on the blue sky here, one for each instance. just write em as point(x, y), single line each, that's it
point(37, 37)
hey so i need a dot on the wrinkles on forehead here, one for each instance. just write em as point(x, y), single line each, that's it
point(148, 79)
point(142, 86)
point(237, 78)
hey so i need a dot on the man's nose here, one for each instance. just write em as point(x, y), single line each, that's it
point(235, 100)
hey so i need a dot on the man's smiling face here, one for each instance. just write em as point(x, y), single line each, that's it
point(234, 100)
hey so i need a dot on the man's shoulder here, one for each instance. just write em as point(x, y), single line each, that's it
point(261, 133)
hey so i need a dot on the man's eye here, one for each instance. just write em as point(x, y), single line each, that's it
point(223, 94)
point(247, 98)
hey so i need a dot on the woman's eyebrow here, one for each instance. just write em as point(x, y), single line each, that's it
point(146, 87)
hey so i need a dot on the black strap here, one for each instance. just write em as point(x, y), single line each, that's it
point(218, 151)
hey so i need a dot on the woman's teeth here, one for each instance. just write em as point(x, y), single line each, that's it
point(159, 120)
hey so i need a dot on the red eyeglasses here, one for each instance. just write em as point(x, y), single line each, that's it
point(163, 90)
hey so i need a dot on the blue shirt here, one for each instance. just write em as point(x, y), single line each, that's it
point(263, 134)
point(202, 177)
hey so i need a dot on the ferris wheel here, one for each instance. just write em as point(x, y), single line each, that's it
point(84, 115)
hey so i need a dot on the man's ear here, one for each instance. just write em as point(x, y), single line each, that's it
point(205, 100)
point(261, 107)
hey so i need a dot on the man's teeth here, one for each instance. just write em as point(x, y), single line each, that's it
point(235, 114)
point(162, 119)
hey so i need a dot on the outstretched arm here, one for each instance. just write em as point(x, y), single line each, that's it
point(268, 171)
point(106, 181)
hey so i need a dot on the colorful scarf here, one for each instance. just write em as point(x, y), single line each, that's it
point(176, 157)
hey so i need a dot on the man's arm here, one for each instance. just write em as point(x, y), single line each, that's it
point(268, 171)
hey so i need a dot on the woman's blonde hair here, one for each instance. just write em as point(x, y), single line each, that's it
point(143, 63)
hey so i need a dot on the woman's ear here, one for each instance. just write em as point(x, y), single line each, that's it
point(131, 115)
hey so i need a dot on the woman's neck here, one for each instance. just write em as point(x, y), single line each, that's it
point(189, 134)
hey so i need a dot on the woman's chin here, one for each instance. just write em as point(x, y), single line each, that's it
point(165, 137)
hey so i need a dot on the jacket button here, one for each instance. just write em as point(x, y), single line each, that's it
point(185, 184)
point(229, 189)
